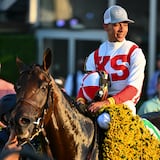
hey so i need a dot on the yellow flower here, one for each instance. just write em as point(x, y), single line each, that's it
point(127, 138)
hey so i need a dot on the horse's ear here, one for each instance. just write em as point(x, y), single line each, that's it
point(47, 59)
point(20, 64)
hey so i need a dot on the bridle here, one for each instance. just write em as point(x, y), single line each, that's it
point(40, 121)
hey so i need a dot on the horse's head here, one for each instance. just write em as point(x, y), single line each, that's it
point(33, 90)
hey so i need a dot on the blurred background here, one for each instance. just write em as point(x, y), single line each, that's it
point(72, 29)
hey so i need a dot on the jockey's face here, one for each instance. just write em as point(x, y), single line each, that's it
point(117, 31)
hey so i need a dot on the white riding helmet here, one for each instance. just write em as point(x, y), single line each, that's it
point(95, 85)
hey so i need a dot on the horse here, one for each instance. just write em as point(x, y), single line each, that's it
point(42, 107)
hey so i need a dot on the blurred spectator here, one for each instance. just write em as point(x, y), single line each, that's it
point(153, 104)
point(9, 141)
point(73, 81)
point(151, 88)
point(6, 87)
point(7, 103)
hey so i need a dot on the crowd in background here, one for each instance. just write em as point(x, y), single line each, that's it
point(72, 83)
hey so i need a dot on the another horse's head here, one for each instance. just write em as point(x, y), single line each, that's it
point(33, 90)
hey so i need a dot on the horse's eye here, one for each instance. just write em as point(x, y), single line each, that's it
point(44, 88)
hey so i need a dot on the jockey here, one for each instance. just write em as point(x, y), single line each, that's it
point(94, 87)
point(121, 58)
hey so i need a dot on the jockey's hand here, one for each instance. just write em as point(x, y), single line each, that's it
point(96, 106)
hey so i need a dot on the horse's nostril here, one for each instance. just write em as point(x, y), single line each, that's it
point(24, 121)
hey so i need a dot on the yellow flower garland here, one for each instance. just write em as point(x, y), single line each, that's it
point(127, 138)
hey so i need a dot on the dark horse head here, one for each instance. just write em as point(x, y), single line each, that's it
point(41, 104)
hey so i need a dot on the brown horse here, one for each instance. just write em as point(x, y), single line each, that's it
point(41, 105)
